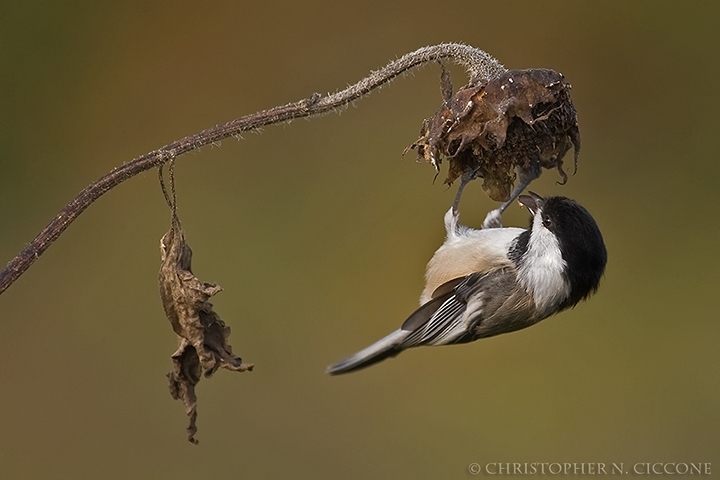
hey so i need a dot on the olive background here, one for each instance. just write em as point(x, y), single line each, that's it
point(319, 232)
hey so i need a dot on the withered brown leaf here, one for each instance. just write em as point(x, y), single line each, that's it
point(522, 119)
point(202, 336)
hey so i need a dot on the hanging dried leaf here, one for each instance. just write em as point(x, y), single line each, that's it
point(523, 118)
point(202, 336)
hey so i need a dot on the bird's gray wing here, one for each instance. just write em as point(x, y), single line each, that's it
point(448, 286)
point(443, 320)
point(457, 314)
point(429, 308)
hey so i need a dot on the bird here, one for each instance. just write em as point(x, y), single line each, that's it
point(486, 282)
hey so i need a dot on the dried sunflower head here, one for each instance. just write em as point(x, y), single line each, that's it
point(522, 119)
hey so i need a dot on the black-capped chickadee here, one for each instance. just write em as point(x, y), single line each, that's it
point(482, 283)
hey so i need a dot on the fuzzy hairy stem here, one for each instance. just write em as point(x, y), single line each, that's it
point(478, 64)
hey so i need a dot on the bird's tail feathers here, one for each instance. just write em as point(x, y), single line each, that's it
point(378, 351)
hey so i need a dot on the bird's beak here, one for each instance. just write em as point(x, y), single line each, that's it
point(532, 202)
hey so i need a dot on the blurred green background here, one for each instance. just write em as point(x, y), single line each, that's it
point(319, 232)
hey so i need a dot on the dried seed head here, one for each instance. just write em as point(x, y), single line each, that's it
point(522, 119)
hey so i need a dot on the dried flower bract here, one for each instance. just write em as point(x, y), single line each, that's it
point(522, 119)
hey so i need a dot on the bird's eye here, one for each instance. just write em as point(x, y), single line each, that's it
point(546, 221)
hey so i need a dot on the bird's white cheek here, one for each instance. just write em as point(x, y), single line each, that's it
point(542, 271)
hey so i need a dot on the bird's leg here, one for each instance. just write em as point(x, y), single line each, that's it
point(494, 218)
point(464, 180)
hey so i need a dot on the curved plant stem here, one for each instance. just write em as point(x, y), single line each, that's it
point(478, 64)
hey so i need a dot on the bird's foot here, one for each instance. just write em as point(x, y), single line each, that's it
point(493, 219)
